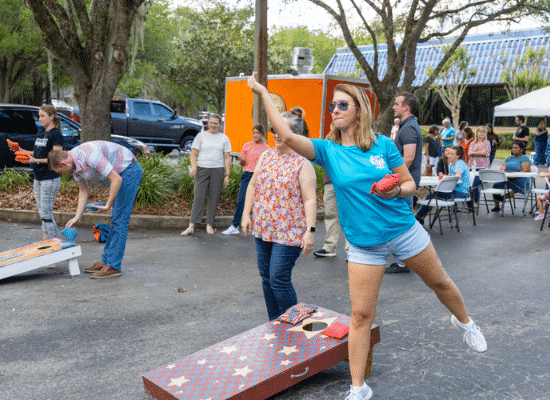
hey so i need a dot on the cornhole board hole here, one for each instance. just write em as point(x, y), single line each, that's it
point(257, 363)
point(39, 255)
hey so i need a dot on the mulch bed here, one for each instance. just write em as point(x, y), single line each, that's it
point(66, 200)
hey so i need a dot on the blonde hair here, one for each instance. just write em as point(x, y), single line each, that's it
point(52, 111)
point(363, 135)
point(481, 130)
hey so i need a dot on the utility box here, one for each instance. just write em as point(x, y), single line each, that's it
point(311, 92)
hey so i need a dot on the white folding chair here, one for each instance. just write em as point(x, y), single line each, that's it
point(446, 187)
point(462, 204)
point(490, 177)
point(535, 192)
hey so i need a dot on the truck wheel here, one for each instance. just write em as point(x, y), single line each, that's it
point(186, 143)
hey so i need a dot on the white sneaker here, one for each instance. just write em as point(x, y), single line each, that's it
point(472, 336)
point(232, 230)
point(365, 394)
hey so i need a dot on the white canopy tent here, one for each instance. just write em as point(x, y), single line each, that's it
point(534, 104)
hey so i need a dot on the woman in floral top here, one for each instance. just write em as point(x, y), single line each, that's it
point(280, 211)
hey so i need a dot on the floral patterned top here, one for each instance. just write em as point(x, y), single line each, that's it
point(481, 162)
point(278, 213)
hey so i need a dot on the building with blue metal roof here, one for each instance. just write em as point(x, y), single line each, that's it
point(490, 54)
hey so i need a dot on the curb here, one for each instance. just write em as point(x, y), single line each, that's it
point(136, 221)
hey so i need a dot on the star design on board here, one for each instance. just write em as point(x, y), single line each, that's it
point(310, 334)
point(229, 349)
point(178, 381)
point(210, 398)
point(269, 336)
point(289, 350)
point(285, 362)
point(170, 366)
point(276, 322)
point(271, 345)
point(241, 386)
point(243, 371)
point(242, 358)
point(202, 362)
point(318, 314)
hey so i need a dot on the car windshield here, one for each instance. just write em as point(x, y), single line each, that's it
point(67, 127)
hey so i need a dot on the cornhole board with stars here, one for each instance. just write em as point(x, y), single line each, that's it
point(255, 364)
point(39, 254)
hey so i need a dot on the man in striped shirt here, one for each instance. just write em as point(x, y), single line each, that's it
point(91, 163)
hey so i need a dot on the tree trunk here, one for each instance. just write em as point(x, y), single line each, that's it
point(96, 63)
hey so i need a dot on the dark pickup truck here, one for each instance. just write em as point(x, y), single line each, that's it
point(153, 123)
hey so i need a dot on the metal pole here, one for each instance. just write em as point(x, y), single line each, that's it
point(260, 58)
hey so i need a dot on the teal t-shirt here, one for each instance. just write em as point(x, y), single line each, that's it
point(461, 167)
point(367, 219)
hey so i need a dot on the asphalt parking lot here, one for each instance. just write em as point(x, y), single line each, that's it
point(78, 338)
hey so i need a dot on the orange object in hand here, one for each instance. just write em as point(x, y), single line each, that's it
point(389, 182)
point(14, 146)
point(22, 156)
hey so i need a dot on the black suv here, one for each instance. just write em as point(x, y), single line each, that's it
point(20, 124)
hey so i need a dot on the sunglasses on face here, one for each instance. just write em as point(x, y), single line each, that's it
point(342, 105)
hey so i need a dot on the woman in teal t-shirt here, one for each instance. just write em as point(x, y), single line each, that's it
point(375, 224)
point(517, 162)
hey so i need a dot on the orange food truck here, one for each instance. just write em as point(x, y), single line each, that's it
point(311, 92)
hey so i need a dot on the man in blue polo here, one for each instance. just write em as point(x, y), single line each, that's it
point(447, 135)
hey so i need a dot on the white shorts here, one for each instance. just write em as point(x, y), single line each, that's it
point(407, 245)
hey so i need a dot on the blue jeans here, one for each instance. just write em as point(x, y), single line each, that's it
point(245, 180)
point(120, 216)
point(423, 210)
point(491, 158)
point(540, 152)
point(275, 262)
point(475, 190)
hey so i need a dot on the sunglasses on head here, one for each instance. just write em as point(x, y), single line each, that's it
point(342, 105)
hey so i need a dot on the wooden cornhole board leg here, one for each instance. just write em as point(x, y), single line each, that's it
point(68, 254)
point(255, 364)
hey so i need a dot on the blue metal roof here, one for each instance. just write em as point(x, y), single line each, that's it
point(487, 51)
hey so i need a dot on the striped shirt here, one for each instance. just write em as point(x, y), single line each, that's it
point(94, 161)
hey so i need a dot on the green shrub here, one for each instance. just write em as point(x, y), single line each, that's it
point(232, 190)
point(10, 180)
point(66, 182)
point(157, 182)
point(184, 183)
point(506, 141)
point(320, 174)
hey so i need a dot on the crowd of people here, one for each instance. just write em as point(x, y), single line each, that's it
point(277, 197)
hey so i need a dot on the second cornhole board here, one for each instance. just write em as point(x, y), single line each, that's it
point(38, 255)
point(255, 364)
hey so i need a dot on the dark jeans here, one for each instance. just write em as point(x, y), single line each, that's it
point(423, 210)
point(540, 152)
point(475, 189)
point(237, 216)
point(275, 263)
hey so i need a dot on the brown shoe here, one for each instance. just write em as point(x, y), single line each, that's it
point(106, 272)
point(94, 268)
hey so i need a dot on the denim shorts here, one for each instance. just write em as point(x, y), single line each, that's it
point(404, 246)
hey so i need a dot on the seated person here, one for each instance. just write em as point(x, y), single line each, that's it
point(543, 200)
point(457, 166)
point(443, 163)
point(517, 162)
